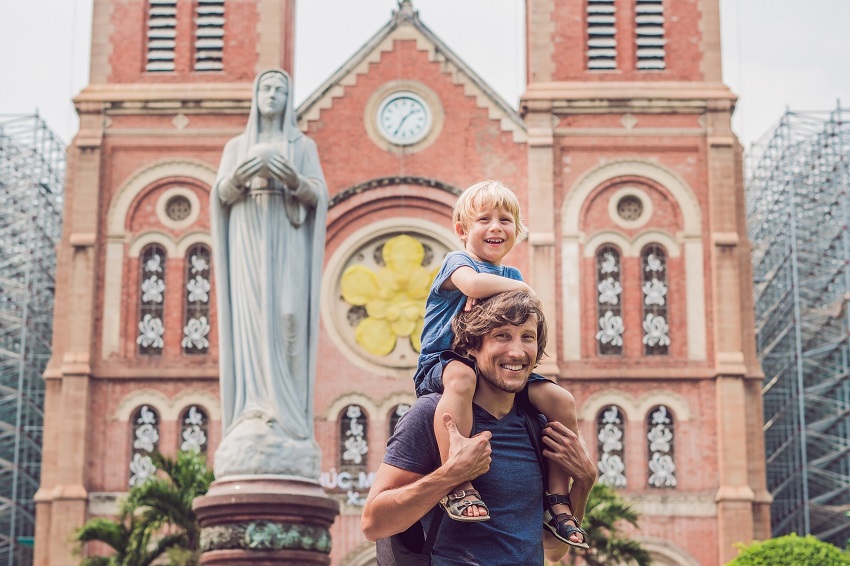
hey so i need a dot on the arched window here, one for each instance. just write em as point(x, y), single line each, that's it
point(656, 330)
point(152, 300)
point(196, 307)
point(193, 430)
point(662, 466)
point(610, 435)
point(352, 439)
point(609, 338)
point(398, 411)
point(144, 440)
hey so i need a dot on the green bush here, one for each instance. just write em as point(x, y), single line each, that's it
point(791, 550)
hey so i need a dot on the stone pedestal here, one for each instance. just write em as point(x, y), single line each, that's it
point(265, 520)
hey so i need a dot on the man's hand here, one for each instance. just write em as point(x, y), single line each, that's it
point(569, 452)
point(470, 457)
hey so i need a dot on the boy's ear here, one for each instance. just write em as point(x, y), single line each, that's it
point(459, 230)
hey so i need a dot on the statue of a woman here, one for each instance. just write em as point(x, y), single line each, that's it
point(268, 211)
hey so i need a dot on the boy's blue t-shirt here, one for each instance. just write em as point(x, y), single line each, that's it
point(442, 306)
point(512, 488)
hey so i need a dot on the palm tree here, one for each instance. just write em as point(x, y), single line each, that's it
point(161, 504)
point(608, 545)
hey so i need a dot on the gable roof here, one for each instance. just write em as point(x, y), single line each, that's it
point(405, 24)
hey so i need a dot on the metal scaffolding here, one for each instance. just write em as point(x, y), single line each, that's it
point(32, 176)
point(798, 210)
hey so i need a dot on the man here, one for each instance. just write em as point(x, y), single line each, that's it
point(506, 336)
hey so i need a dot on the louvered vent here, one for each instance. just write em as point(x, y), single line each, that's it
point(601, 35)
point(209, 35)
point(649, 35)
point(162, 32)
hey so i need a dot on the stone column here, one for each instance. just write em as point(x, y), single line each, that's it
point(541, 220)
point(735, 495)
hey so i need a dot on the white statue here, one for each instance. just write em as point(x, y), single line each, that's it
point(268, 211)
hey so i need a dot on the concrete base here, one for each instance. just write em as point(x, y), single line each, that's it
point(262, 520)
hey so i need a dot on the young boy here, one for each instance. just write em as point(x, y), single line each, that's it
point(487, 220)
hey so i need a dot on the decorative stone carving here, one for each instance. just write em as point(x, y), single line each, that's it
point(610, 436)
point(610, 335)
point(265, 535)
point(661, 466)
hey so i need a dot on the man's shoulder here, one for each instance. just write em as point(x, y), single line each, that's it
point(424, 406)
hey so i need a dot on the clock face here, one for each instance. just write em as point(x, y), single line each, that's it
point(404, 118)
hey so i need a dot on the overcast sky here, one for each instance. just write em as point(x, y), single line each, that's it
point(776, 53)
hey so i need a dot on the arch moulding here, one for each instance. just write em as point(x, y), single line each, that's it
point(690, 240)
point(116, 235)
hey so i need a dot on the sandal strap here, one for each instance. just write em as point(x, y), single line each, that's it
point(461, 493)
point(564, 517)
point(558, 499)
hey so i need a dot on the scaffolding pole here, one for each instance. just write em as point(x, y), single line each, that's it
point(798, 211)
point(32, 175)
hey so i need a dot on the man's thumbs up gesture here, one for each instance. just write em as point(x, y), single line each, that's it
point(468, 457)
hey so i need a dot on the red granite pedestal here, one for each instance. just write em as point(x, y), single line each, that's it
point(265, 520)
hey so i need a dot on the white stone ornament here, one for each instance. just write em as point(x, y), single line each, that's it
point(656, 331)
point(609, 263)
point(199, 289)
point(195, 333)
point(146, 435)
point(609, 291)
point(151, 330)
point(199, 264)
point(610, 436)
point(654, 292)
point(154, 264)
point(612, 329)
point(660, 438)
point(142, 469)
point(653, 263)
point(152, 289)
point(355, 442)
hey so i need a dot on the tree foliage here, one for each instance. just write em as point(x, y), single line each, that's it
point(790, 550)
point(606, 510)
point(155, 519)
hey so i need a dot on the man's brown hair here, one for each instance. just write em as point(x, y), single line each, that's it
point(514, 307)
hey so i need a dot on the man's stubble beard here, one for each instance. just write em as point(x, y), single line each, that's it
point(502, 385)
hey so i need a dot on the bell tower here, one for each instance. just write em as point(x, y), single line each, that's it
point(170, 83)
point(639, 250)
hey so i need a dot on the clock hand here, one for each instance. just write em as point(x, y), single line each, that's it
point(400, 124)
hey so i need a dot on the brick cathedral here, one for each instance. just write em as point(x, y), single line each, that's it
point(630, 178)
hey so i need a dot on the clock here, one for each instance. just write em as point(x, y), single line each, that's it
point(404, 118)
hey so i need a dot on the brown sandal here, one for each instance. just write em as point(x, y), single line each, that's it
point(560, 524)
point(454, 506)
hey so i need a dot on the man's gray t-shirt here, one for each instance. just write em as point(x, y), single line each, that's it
point(512, 489)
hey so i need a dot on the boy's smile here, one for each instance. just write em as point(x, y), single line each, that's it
point(489, 235)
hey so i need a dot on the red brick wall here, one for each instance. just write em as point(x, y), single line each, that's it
point(682, 32)
point(129, 44)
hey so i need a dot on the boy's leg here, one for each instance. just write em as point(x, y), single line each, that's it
point(458, 388)
point(556, 404)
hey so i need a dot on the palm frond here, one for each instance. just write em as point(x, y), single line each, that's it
point(605, 513)
point(165, 543)
point(112, 533)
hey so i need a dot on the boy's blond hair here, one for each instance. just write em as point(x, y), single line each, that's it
point(488, 194)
